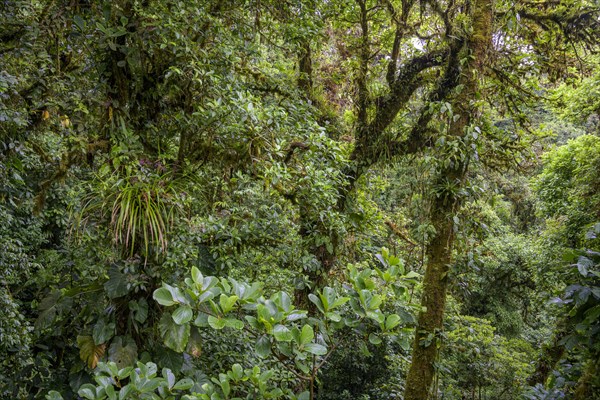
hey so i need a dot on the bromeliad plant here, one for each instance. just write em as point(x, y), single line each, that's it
point(140, 200)
point(300, 343)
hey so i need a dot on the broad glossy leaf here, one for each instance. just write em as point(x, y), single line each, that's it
point(182, 315)
point(263, 347)
point(150, 385)
point(163, 297)
point(209, 295)
point(209, 282)
point(237, 372)
point(227, 302)
point(335, 317)
point(296, 315)
point(340, 301)
point(216, 323)
point(124, 372)
point(174, 336)
point(283, 300)
point(328, 297)
point(316, 349)
point(87, 391)
point(169, 376)
point(376, 316)
point(234, 323)
point(197, 276)
point(316, 301)
point(125, 391)
point(307, 335)
point(392, 321)
point(225, 387)
point(54, 395)
point(184, 384)
point(374, 339)
point(282, 333)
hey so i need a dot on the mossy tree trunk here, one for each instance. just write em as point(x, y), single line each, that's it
point(585, 385)
point(551, 354)
point(445, 205)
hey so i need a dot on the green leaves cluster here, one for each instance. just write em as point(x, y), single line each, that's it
point(143, 382)
point(568, 187)
point(298, 341)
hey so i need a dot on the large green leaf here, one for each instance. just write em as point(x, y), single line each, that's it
point(116, 286)
point(216, 323)
point(314, 299)
point(316, 349)
point(282, 333)
point(87, 391)
point(169, 359)
point(174, 336)
point(47, 308)
point(392, 321)
point(139, 310)
point(54, 395)
point(263, 346)
point(184, 384)
point(374, 339)
point(169, 295)
point(182, 315)
point(123, 351)
point(234, 323)
point(169, 376)
point(307, 335)
point(163, 297)
point(227, 302)
point(197, 276)
point(103, 331)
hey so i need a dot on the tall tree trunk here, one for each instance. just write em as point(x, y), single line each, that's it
point(585, 386)
point(445, 205)
point(305, 73)
point(551, 354)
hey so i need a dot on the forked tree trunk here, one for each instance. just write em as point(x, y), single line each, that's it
point(439, 251)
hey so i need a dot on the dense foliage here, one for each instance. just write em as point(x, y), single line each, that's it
point(347, 199)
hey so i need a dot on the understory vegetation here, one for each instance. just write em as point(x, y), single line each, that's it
point(266, 199)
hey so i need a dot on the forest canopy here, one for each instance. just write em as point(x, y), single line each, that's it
point(342, 199)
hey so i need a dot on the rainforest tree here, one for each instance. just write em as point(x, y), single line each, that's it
point(272, 144)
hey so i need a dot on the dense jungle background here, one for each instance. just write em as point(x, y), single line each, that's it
point(300, 199)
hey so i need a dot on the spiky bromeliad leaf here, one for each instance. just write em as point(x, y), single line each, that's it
point(141, 208)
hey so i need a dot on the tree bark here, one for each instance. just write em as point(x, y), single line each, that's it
point(444, 207)
point(551, 355)
point(585, 386)
point(305, 73)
